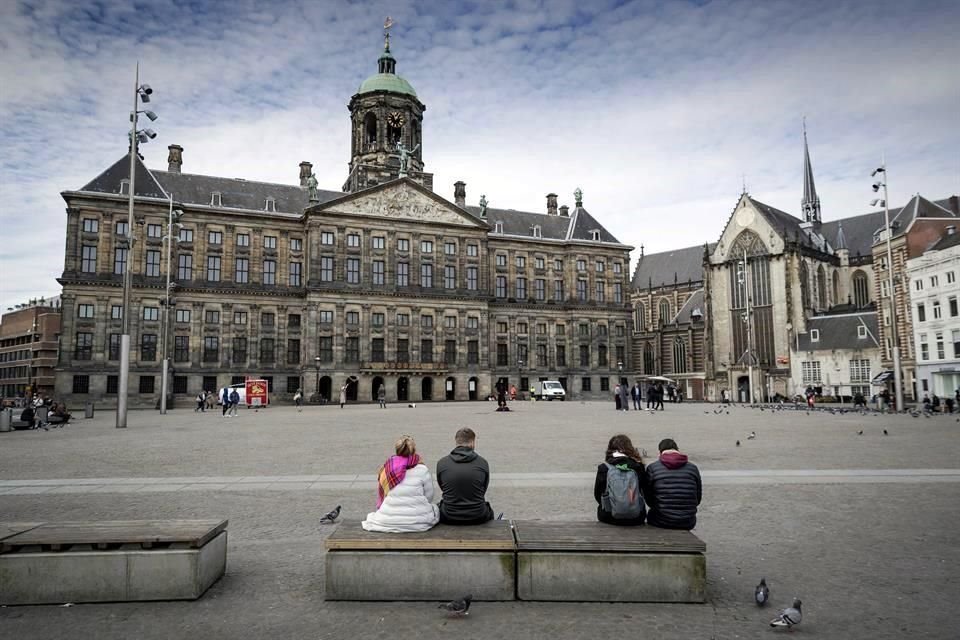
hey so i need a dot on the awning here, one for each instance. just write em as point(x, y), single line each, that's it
point(882, 377)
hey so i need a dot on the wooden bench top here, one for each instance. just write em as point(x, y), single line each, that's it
point(195, 533)
point(491, 536)
point(545, 535)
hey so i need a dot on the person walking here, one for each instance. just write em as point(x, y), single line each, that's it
point(382, 396)
point(298, 400)
point(225, 401)
point(616, 397)
point(636, 395)
point(234, 402)
point(651, 396)
point(624, 400)
point(343, 394)
point(201, 402)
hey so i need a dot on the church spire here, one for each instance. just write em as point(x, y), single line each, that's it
point(811, 203)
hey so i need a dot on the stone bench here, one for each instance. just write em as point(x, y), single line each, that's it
point(112, 561)
point(596, 562)
point(443, 563)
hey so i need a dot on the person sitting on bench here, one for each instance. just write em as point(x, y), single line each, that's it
point(58, 414)
point(464, 477)
point(29, 416)
point(675, 489)
point(620, 484)
point(404, 493)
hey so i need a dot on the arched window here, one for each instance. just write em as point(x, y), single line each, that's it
point(664, 311)
point(861, 289)
point(648, 359)
point(370, 129)
point(639, 318)
point(679, 356)
point(821, 288)
point(804, 286)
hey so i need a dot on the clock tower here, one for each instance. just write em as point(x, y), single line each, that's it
point(386, 127)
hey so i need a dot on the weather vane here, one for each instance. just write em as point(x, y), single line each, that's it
point(386, 33)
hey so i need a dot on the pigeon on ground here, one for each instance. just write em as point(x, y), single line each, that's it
point(885, 432)
point(738, 443)
point(412, 405)
point(860, 433)
point(789, 617)
point(331, 517)
point(762, 593)
point(753, 435)
point(459, 607)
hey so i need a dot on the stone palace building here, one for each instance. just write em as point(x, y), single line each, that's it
point(384, 282)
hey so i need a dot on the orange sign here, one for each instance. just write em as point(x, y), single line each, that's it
point(257, 393)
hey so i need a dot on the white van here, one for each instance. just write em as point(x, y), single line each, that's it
point(241, 390)
point(550, 389)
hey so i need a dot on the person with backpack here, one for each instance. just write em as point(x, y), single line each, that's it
point(225, 401)
point(621, 484)
point(673, 489)
point(201, 402)
point(234, 402)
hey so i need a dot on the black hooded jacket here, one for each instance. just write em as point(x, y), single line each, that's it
point(674, 491)
point(463, 477)
point(600, 486)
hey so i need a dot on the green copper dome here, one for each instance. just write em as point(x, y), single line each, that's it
point(386, 82)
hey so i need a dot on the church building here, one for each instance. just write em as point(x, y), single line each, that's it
point(383, 283)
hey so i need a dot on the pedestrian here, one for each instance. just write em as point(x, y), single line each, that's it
point(382, 396)
point(234, 402)
point(636, 395)
point(298, 400)
point(670, 392)
point(343, 395)
point(201, 402)
point(225, 401)
point(659, 396)
point(211, 399)
point(624, 400)
point(651, 395)
point(616, 397)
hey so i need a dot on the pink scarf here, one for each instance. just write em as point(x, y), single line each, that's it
point(393, 472)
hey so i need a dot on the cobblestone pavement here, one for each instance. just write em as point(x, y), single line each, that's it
point(872, 557)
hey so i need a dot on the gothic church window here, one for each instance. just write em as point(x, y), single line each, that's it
point(835, 293)
point(679, 356)
point(664, 311)
point(639, 317)
point(861, 289)
point(804, 286)
point(821, 288)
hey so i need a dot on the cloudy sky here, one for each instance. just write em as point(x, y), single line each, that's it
point(656, 109)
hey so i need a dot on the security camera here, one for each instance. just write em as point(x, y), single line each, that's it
point(877, 201)
point(876, 187)
point(150, 114)
point(146, 89)
point(876, 171)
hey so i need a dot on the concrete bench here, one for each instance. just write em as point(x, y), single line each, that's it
point(113, 561)
point(596, 562)
point(443, 563)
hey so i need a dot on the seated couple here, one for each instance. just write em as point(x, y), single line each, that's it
point(670, 487)
point(405, 491)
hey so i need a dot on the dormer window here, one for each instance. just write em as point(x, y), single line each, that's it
point(536, 231)
point(124, 187)
point(215, 199)
point(498, 227)
point(862, 331)
point(814, 335)
point(271, 205)
point(595, 235)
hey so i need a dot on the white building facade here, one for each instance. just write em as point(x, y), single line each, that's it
point(838, 355)
point(935, 310)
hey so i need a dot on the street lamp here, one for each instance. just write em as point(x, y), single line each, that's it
point(620, 371)
point(141, 93)
point(316, 384)
point(894, 338)
point(173, 219)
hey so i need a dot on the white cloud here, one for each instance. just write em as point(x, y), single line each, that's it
point(655, 109)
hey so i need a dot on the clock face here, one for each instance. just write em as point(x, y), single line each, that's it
point(395, 119)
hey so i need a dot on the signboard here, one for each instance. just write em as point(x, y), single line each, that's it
point(257, 393)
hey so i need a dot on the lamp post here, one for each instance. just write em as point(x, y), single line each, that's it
point(894, 338)
point(620, 371)
point(520, 373)
point(173, 218)
point(141, 93)
point(316, 384)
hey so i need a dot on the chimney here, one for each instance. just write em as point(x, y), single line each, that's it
point(174, 158)
point(565, 211)
point(951, 229)
point(551, 204)
point(306, 168)
point(460, 194)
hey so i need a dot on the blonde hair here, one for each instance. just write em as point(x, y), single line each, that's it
point(405, 446)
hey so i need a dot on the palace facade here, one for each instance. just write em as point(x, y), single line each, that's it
point(384, 282)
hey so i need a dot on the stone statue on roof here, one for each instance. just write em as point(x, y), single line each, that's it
point(404, 155)
point(578, 196)
point(312, 188)
point(483, 206)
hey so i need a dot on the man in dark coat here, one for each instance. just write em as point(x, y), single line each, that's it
point(674, 489)
point(463, 477)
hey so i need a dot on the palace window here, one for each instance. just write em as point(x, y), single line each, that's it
point(269, 272)
point(184, 266)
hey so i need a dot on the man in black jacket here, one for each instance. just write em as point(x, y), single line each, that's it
point(674, 489)
point(463, 477)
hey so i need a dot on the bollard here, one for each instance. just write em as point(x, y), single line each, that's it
point(6, 420)
point(88, 410)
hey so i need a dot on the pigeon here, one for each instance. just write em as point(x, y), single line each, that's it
point(753, 434)
point(738, 443)
point(762, 593)
point(331, 517)
point(412, 405)
point(885, 432)
point(459, 607)
point(789, 617)
point(860, 433)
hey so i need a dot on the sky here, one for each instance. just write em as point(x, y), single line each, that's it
point(660, 111)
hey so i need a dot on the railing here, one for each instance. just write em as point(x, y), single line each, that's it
point(399, 365)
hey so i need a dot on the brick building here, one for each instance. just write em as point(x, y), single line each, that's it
point(29, 345)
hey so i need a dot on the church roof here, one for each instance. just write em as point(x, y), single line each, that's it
point(840, 332)
point(857, 231)
point(918, 207)
point(386, 82)
point(693, 303)
point(680, 265)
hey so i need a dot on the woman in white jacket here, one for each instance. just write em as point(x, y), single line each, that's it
point(404, 493)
